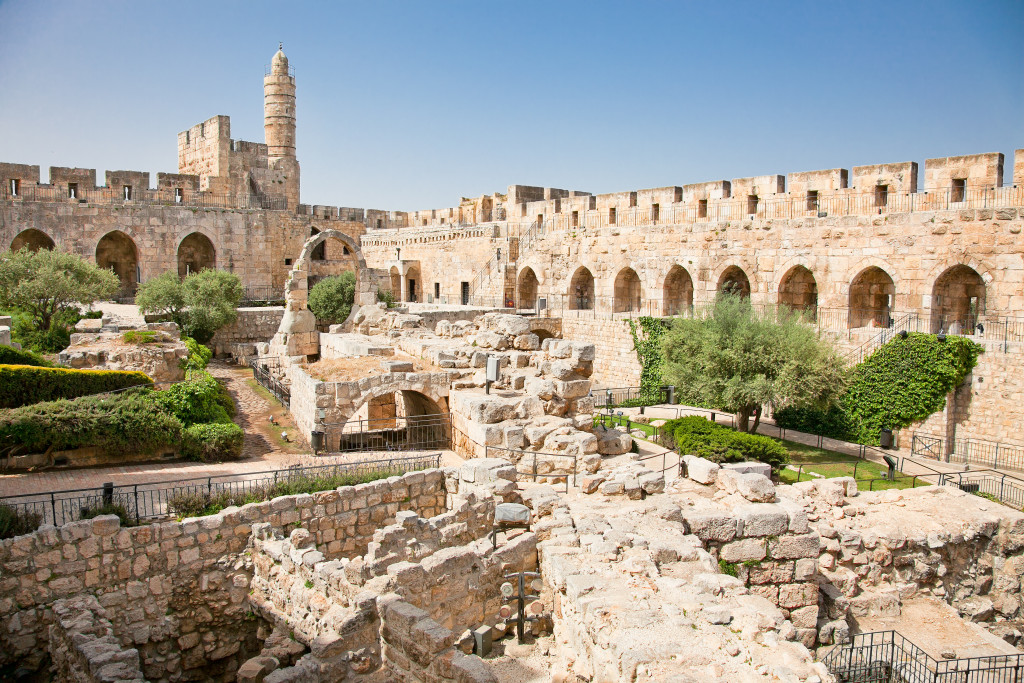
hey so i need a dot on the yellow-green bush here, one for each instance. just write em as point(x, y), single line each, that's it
point(22, 385)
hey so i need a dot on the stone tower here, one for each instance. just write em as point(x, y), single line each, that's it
point(279, 123)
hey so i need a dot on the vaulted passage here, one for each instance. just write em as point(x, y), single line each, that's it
point(581, 290)
point(871, 298)
point(527, 288)
point(117, 251)
point(958, 298)
point(33, 239)
point(678, 292)
point(398, 420)
point(734, 281)
point(799, 290)
point(195, 253)
point(627, 291)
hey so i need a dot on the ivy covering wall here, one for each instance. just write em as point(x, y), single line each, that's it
point(647, 333)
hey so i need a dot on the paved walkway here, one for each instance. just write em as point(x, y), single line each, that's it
point(261, 451)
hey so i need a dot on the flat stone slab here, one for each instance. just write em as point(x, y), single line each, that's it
point(749, 468)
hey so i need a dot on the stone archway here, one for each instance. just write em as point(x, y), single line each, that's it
point(527, 287)
point(677, 292)
point(627, 291)
point(958, 300)
point(117, 251)
point(196, 253)
point(872, 294)
point(734, 281)
point(413, 284)
point(33, 239)
point(396, 283)
point(581, 290)
point(799, 290)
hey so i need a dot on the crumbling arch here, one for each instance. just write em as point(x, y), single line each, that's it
point(798, 290)
point(734, 280)
point(677, 292)
point(581, 290)
point(195, 253)
point(320, 252)
point(526, 288)
point(958, 300)
point(396, 283)
point(33, 239)
point(627, 291)
point(117, 251)
point(872, 294)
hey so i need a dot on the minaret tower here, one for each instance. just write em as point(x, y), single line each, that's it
point(279, 123)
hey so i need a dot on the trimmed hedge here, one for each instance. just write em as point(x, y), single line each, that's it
point(205, 442)
point(12, 356)
point(698, 436)
point(129, 422)
point(22, 385)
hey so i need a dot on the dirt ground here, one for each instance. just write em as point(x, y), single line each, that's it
point(353, 369)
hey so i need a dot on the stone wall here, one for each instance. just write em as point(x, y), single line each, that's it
point(83, 648)
point(615, 364)
point(178, 590)
point(253, 326)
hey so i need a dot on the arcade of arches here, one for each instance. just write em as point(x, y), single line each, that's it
point(677, 292)
point(958, 299)
point(33, 239)
point(527, 288)
point(117, 251)
point(628, 293)
point(195, 253)
point(734, 281)
point(581, 290)
point(871, 298)
point(799, 290)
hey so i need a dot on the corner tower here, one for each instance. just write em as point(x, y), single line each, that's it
point(279, 122)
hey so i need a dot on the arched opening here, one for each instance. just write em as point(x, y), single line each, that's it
point(396, 284)
point(33, 239)
point(581, 290)
point(958, 299)
point(395, 420)
point(871, 298)
point(412, 284)
point(319, 252)
point(677, 294)
point(734, 281)
point(799, 291)
point(195, 253)
point(117, 251)
point(527, 288)
point(627, 291)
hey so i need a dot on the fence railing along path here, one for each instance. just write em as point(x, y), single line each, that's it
point(149, 499)
point(987, 454)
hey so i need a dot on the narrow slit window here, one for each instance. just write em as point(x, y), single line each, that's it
point(437, 290)
point(702, 208)
point(524, 210)
point(378, 223)
point(632, 200)
point(540, 219)
point(752, 203)
point(959, 190)
point(15, 187)
point(179, 197)
point(575, 219)
point(655, 212)
point(611, 216)
point(812, 200)
point(881, 195)
point(72, 190)
point(127, 191)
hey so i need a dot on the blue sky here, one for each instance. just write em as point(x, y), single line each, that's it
point(409, 105)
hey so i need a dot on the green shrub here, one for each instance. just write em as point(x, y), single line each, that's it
point(109, 509)
point(12, 356)
point(703, 438)
point(387, 297)
point(22, 385)
point(833, 422)
point(15, 522)
point(196, 400)
point(198, 355)
point(331, 299)
point(127, 422)
point(207, 442)
point(140, 337)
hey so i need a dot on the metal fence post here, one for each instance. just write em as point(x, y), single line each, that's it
point(136, 487)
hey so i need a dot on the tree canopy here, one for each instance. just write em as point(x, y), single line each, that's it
point(49, 285)
point(737, 359)
point(331, 299)
point(200, 304)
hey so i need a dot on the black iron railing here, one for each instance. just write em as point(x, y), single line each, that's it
point(886, 656)
point(630, 397)
point(411, 433)
point(147, 500)
point(266, 372)
point(138, 196)
point(1005, 488)
point(969, 451)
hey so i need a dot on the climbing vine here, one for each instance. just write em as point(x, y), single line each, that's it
point(904, 381)
point(647, 333)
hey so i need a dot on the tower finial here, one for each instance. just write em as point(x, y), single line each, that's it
point(280, 46)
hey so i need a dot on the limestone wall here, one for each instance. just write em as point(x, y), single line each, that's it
point(83, 647)
point(253, 326)
point(178, 590)
point(615, 363)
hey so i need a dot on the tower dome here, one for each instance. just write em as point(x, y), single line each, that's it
point(279, 64)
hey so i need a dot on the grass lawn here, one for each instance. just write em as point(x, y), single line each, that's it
point(615, 420)
point(839, 465)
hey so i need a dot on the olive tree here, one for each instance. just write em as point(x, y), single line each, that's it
point(738, 359)
point(200, 304)
point(331, 299)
